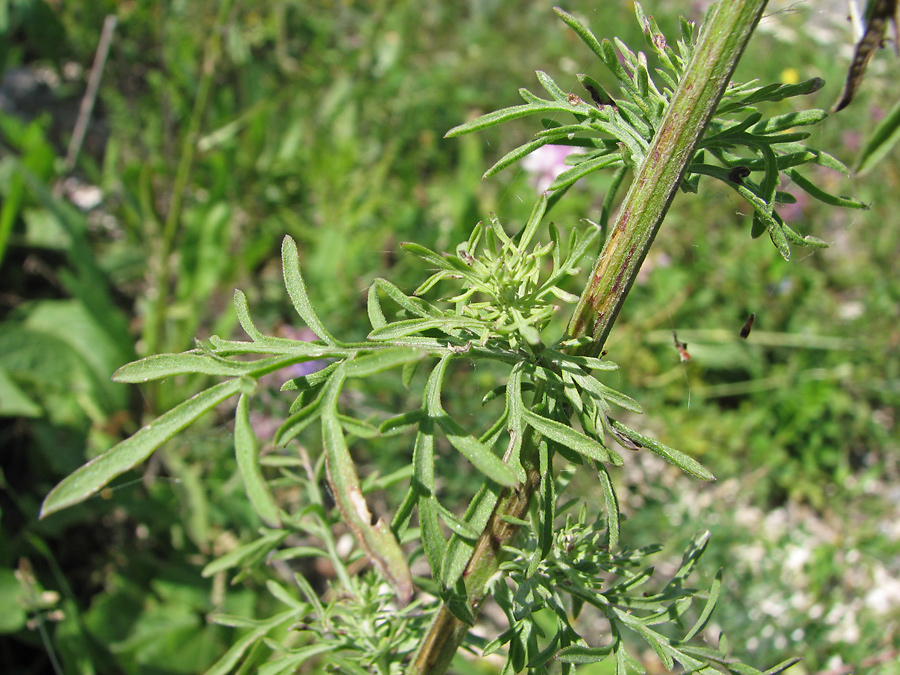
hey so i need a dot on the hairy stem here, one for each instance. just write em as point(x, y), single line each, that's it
point(722, 41)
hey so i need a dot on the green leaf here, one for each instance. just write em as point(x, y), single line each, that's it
point(612, 505)
point(246, 450)
point(703, 619)
point(14, 402)
point(682, 461)
point(380, 361)
point(581, 654)
point(401, 422)
point(293, 281)
point(506, 114)
point(515, 155)
point(415, 306)
point(376, 539)
point(159, 366)
point(568, 437)
point(406, 327)
point(373, 307)
point(94, 475)
point(823, 196)
point(582, 169)
point(269, 541)
point(297, 422)
point(582, 31)
point(230, 659)
point(243, 314)
point(789, 120)
point(881, 142)
point(476, 452)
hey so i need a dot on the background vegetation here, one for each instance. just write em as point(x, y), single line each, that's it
point(220, 127)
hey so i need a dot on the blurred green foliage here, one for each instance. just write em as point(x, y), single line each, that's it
point(324, 120)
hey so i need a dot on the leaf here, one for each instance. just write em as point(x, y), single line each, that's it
point(415, 306)
point(243, 314)
point(789, 120)
point(582, 31)
point(881, 142)
point(412, 326)
point(401, 422)
point(476, 452)
point(581, 654)
point(229, 660)
point(293, 281)
point(298, 421)
point(567, 436)
point(582, 169)
point(499, 116)
point(612, 506)
point(373, 307)
point(682, 461)
point(823, 196)
point(377, 540)
point(515, 155)
point(246, 449)
point(703, 619)
point(94, 475)
point(380, 361)
point(268, 542)
point(160, 366)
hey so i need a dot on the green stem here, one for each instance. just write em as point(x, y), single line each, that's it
point(722, 41)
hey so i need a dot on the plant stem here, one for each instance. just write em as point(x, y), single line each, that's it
point(722, 41)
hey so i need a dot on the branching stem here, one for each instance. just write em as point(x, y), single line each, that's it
point(722, 41)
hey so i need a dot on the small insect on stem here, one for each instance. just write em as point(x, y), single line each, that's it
point(748, 326)
point(681, 347)
point(738, 174)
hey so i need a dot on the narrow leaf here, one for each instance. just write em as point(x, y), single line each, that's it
point(160, 366)
point(569, 437)
point(293, 281)
point(580, 654)
point(244, 318)
point(504, 115)
point(823, 196)
point(684, 462)
point(612, 506)
point(881, 142)
point(476, 452)
point(246, 450)
point(377, 540)
point(380, 361)
point(94, 475)
point(703, 619)
point(373, 307)
point(406, 327)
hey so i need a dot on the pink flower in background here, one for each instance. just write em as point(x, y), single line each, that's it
point(547, 162)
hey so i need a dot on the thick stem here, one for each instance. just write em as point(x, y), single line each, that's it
point(722, 41)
